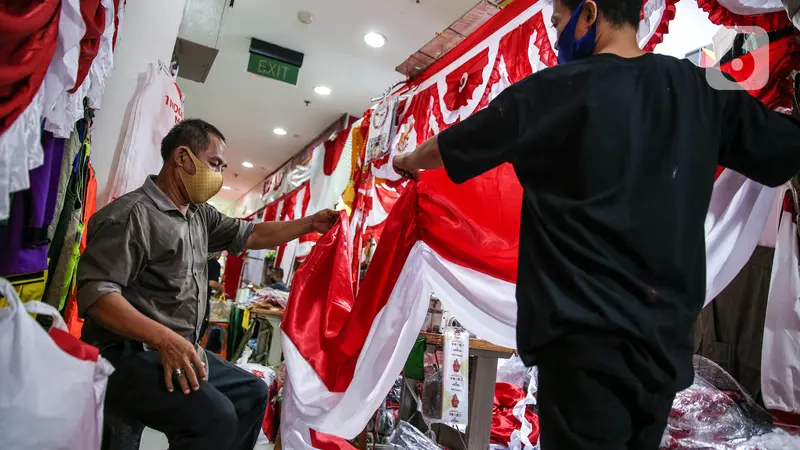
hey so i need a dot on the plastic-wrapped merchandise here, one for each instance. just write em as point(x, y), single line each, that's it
point(702, 416)
point(513, 371)
point(715, 413)
point(432, 396)
point(409, 438)
point(393, 398)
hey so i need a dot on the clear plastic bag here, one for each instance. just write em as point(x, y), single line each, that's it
point(706, 417)
point(513, 371)
point(409, 438)
point(432, 396)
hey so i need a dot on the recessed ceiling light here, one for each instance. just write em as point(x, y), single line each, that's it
point(279, 131)
point(248, 164)
point(226, 188)
point(375, 40)
point(322, 90)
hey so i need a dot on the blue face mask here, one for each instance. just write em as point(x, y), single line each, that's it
point(571, 49)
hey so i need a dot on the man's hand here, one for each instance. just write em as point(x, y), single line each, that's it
point(324, 220)
point(179, 354)
point(404, 167)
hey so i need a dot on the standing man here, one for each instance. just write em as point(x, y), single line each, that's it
point(142, 286)
point(616, 151)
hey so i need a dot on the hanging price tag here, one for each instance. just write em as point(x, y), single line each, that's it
point(455, 376)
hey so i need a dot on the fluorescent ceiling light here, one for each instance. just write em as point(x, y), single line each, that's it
point(375, 40)
point(226, 188)
point(248, 164)
point(279, 131)
point(322, 90)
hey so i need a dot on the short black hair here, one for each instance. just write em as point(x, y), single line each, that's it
point(192, 133)
point(277, 271)
point(618, 12)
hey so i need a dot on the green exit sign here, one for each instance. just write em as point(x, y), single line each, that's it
point(272, 68)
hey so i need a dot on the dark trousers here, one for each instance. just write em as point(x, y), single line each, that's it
point(593, 394)
point(225, 413)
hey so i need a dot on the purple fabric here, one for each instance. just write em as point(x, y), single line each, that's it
point(24, 238)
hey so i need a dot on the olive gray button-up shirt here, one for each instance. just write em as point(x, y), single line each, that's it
point(142, 247)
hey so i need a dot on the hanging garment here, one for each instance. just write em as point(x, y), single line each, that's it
point(27, 46)
point(68, 107)
point(24, 237)
point(730, 329)
point(68, 233)
point(157, 107)
point(71, 148)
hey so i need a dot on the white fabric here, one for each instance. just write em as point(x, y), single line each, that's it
point(254, 261)
point(769, 237)
point(20, 151)
point(653, 11)
point(391, 337)
point(751, 7)
point(157, 107)
point(326, 190)
point(68, 108)
point(63, 70)
point(104, 61)
point(48, 398)
point(519, 438)
point(736, 217)
point(780, 365)
point(290, 251)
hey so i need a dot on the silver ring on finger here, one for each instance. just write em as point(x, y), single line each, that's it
point(178, 373)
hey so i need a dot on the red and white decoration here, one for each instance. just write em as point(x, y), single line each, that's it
point(56, 53)
point(345, 345)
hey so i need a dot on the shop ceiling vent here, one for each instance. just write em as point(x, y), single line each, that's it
point(199, 37)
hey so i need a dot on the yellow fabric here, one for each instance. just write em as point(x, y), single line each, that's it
point(359, 144)
point(29, 288)
point(204, 184)
point(246, 319)
point(72, 266)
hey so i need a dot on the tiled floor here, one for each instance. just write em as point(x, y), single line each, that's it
point(153, 440)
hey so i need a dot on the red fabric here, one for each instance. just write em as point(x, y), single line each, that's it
point(74, 346)
point(27, 45)
point(94, 15)
point(325, 320)
point(333, 151)
point(720, 15)
point(117, 7)
point(73, 321)
point(322, 441)
point(663, 26)
point(232, 274)
point(89, 203)
point(783, 57)
point(462, 82)
point(506, 396)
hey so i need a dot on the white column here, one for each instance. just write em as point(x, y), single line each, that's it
point(148, 32)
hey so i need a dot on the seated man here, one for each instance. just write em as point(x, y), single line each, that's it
point(276, 280)
point(142, 286)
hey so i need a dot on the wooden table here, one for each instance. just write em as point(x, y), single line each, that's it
point(274, 348)
point(482, 378)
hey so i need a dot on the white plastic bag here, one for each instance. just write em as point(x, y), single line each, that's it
point(780, 369)
point(49, 399)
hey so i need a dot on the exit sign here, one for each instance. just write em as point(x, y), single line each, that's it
point(272, 68)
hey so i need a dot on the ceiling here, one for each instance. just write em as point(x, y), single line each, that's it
point(247, 107)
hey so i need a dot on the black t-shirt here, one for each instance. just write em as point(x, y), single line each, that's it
point(617, 160)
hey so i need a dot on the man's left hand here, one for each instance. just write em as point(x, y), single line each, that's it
point(324, 220)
